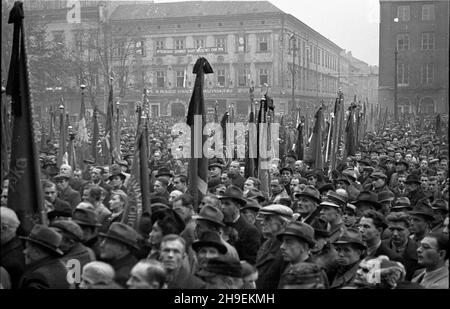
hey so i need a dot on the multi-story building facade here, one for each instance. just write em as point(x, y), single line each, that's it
point(155, 45)
point(417, 33)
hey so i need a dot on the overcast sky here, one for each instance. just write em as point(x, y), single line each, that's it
point(351, 24)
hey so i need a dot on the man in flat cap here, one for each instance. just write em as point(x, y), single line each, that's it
point(269, 261)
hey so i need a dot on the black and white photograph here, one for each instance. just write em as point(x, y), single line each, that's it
point(240, 146)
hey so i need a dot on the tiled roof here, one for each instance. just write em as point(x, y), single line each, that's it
point(191, 9)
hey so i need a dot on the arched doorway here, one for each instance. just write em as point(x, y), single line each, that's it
point(427, 106)
point(177, 110)
point(404, 106)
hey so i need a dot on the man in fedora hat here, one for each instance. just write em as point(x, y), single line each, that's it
point(308, 201)
point(208, 246)
point(371, 226)
point(401, 204)
point(350, 251)
point(269, 261)
point(440, 211)
point(249, 238)
point(165, 173)
point(116, 249)
point(399, 241)
point(71, 245)
point(401, 168)
point(366, 200)
point(385, 198)
point(87, 220)
point(250, 210)
point(421, 221)
point(65, 191)
point(44, 268)
point(413, 186)
point(210, 219)
point(297, 239)
point(223, 273)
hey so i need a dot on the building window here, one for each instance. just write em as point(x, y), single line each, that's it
point(427, 41)
point(139, 47)
point(263, 44)
point(402, 41)
point(221, 78)
point(263, 76)
point(242, 78)
point(79, 40)
point(403, 13)
point(160, 79)
point(119, 48)
point(427, 73)
point(159, 44)
point(428, 12)
point(179, 44)
point(402, 74)
point(199, 43)
point(180, 79)
point(242, 44)
point(221, 43)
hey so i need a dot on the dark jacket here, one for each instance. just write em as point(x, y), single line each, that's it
point(249, 240)
point(385, 250)
point(185, 280)
point(78, 252)
point(344, 276)
point(94, 245)
point(70, 196)
point(77, 184)
point(48, 273)
point(123, 267)
point(238, 181)
point(270, 264)
point(408, 257)
point(415, 196)
point(12, 260)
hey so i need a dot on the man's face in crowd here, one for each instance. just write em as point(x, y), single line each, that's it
point(206, 253)
point(235, 168)
point(50, 194)
point(138, 278)
point(341, 185)
point(298, 165)
point(330, 214)
point(398, 156)
point(432, 186)
point(408, 157)
point(229, 209)
point(349, 218)
point(174, 194)
point(116, 182)
point(294, 183)
point(424, 164)
point(441, 175)
point(4, 201)
point(215, 171)
point(62, 183)
point(65, 169)
point(418, 225)
point(368, 230)
point(347, 254)
point(312, 181)
point(424, 182)
point(172, 254)
point(157, 156)
point(109, 249)
point(248, 184)
point(155, 236)
point(292, 248)
point(77, 174)
point(250, 215)
point(306, 205)
point(276, 186)
point(445, 230)
point(180, 186)
point(444, 164)
point(96, 174)
point(286, 176)
point(220, 189)
point(158, 187)
point(399, 232)
point(358, 156)
point(411, 186)
point(428, 253)
point(270, 225)
point(402, 182)
point(184, 211)
point(225, 179)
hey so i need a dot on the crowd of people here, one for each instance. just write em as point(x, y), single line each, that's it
point(378, 221)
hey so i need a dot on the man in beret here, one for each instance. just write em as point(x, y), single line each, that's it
point(269, 261)
point(44, 268)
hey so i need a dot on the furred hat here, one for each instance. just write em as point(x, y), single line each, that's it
point(70, 227)
point(277, 210)
point(211, 214)
point(122, 233)
point(45, 237)
point(209, 239)
point(234, 193)
point(310, 192)
point(300, 230)
point(222, 265)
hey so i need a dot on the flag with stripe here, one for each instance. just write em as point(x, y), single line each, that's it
point(196, 118)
